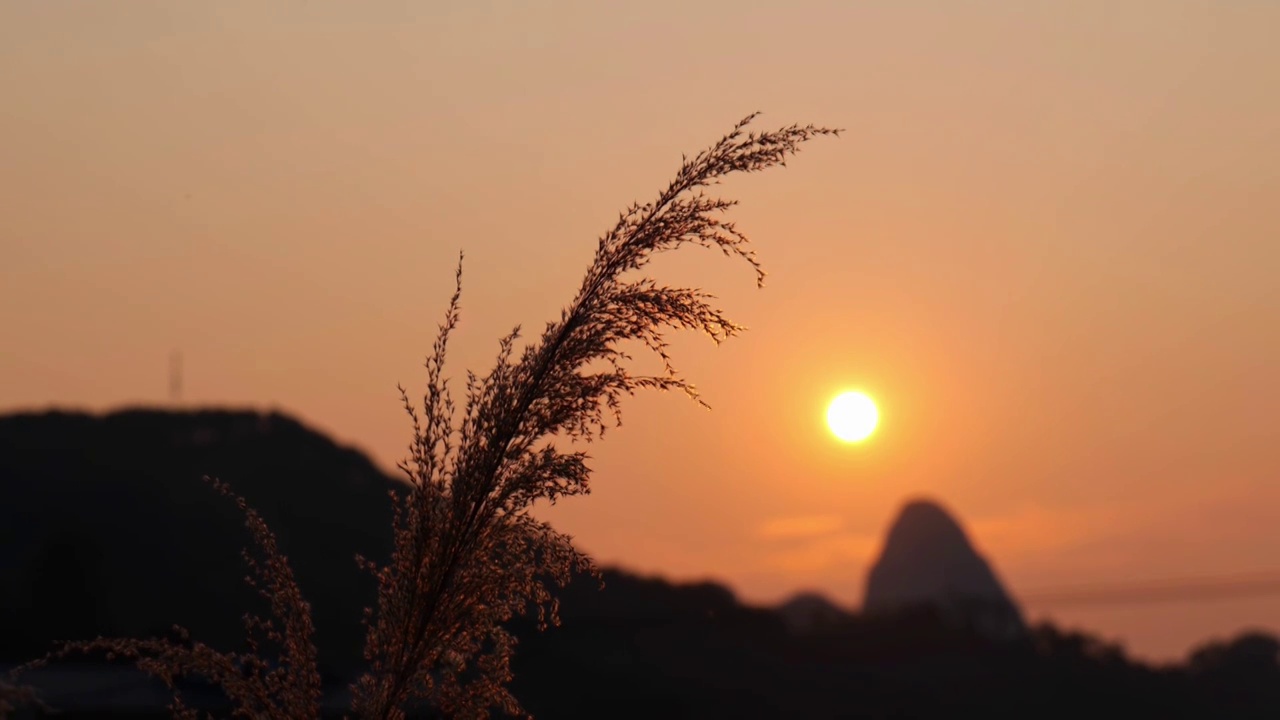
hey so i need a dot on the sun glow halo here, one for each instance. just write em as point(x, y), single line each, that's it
point(852, 416)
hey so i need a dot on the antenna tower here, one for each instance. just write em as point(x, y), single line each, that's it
point(175, 377)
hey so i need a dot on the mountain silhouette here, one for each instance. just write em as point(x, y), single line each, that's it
point(105, 528)
point(928, 560)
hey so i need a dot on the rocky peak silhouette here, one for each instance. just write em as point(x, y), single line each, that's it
point(928, 560)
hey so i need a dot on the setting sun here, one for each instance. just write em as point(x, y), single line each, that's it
point(852, 416)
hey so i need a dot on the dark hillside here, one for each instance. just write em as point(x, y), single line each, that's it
point(105, 528)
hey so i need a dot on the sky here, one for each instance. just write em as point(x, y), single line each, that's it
point(1046, 244)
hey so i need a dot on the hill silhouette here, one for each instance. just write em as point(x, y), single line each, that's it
point(810, 612)
point(105, 528)
point(929, 560)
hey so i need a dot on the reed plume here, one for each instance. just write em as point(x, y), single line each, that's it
point(468, 556)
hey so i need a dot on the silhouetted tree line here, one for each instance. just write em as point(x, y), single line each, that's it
point(107, 530)
point(646, 647)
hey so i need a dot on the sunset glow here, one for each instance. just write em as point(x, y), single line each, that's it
point(1045, 248)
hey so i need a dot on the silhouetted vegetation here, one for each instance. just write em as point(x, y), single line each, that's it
point(467, 556)
point(644, 647)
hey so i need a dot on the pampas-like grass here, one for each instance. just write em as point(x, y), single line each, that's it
point(468, 555)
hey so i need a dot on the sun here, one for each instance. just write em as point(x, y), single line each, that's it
point(852, 416)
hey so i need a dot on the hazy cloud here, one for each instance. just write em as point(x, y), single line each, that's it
point(842, 554)
point(807, 526)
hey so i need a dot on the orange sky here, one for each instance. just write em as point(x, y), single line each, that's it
point(1048, 245)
